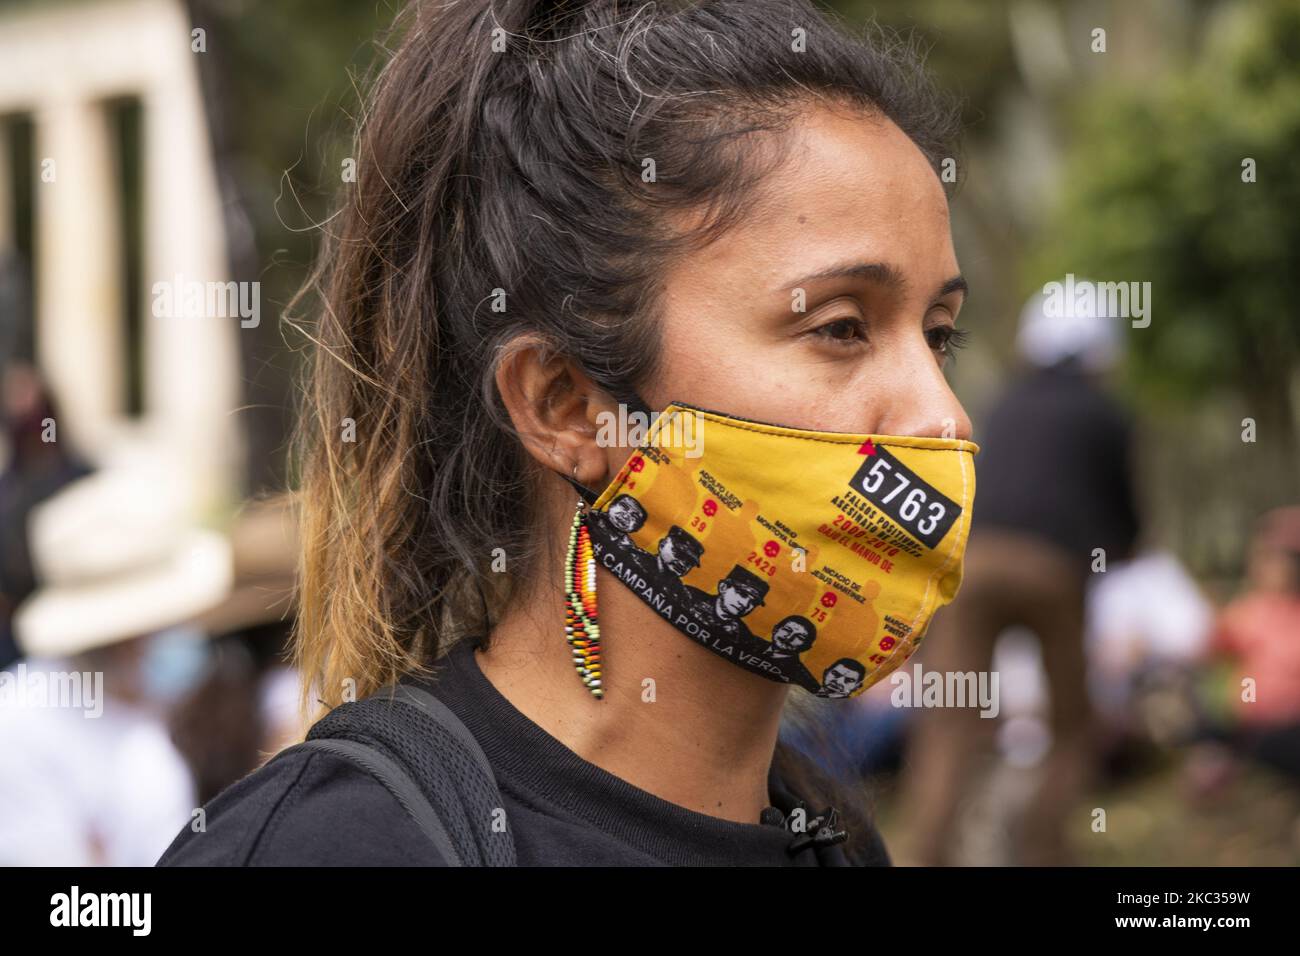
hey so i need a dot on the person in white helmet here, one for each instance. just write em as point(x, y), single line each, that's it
point(1056, 492)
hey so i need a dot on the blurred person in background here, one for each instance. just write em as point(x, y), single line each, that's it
point(1144, 655)
point(245, 707)
point(35, 467)
point(1055, 486)
point(1259, 632)
point(90, 775)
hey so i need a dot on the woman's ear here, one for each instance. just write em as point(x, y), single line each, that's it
point(554, 407)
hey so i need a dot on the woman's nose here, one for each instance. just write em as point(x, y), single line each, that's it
point(924, 404)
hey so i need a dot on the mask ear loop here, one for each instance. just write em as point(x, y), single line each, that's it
point(588, 496)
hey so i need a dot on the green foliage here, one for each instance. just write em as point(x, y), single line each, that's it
point(1153, 191)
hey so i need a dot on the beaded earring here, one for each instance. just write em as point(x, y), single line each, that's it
point(581, 628)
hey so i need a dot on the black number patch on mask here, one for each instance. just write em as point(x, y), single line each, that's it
point(916, 506)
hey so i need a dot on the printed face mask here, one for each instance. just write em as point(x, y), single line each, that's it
point(811, 558)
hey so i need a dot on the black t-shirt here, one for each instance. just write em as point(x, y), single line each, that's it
point(315, 809)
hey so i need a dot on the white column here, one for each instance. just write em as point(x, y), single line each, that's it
point(192, 363)
point(78, 283)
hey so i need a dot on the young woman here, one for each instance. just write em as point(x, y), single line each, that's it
point(564, 213)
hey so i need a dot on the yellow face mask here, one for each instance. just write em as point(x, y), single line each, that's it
point(811, 558)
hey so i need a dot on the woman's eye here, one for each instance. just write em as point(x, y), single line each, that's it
point(844, 331)
point(946, 340)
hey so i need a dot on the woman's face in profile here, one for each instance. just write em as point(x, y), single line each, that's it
point(866, 353)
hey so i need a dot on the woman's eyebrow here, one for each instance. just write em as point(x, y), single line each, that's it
point(881, 273)
point(955, 284)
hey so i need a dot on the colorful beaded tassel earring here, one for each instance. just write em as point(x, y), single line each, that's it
point(581, 628)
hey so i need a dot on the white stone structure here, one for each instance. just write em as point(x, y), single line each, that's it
point(59, 63)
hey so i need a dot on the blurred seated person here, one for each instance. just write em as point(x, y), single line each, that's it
point(91, 776)
point(245, 709)
point(1259, 631)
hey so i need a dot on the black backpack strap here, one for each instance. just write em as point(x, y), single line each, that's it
point(421, 752)
point(442, 715)
point(399, 783)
